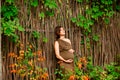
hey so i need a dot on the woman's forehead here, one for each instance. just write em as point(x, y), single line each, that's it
point(61, 28)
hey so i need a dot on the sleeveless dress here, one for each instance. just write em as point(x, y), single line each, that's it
point(64, 48)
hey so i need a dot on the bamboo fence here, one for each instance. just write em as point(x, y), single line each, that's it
point(103, 52)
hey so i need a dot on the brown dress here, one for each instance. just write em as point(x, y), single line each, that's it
point(64, 48)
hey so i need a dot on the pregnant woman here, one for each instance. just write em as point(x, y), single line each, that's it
point(63, 50)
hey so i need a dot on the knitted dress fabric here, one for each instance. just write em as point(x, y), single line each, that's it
point(64, 48)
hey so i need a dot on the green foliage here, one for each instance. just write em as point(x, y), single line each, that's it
point(95, 12)
point(50, 13)
point(85, 70)
point(62, 76)
point(88, 42)
point(95, 37)
point(36, 34)
point(9, 12)
point(79, 1)
point(45, 40)
point(34, 3)
point(41, 15)
point(106, 20)
point(50, 4)
point(111, 71)
point(118, 7)
point(10, 22)
point(26, 63)
point(9, 28)
point(9, 1)
point(83, 22)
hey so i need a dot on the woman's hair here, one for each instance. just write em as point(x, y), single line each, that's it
point(57, 32)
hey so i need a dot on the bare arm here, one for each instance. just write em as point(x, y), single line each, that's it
point(57, 52)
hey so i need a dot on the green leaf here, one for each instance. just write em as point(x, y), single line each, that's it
point(79, 1)
point(95, 15)
point(73, 20)
point(95, 8)
point(50, 13)
point(79, 24)
point(95, 37)
point(82, 41)
point(87, 39)
point(90, 22)
point(36, 34)
point(20, 28)
point(9, 11)
point(81, 17)
point(10, 1)
point(15, 37)
point(89, 11)
point(45, 40)
point(8, 32)
point(51, 4)
point(86, 26)
point(41, 15)
point(110, 14)
point(118, 7)
point(34, 3)
point(106, 20)
point(100, 13)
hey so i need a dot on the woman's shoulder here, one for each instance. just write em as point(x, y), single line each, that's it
point(56, 42)
point(67, 40)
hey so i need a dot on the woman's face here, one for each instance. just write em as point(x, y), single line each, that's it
point(62, 31)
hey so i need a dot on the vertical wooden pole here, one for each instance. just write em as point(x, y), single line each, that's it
point(0, 47)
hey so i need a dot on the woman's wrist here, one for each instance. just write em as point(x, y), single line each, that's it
point(64, 60)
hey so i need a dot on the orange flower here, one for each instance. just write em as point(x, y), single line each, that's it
point(30, 62)
point(39, 52)
point(11, 54)
point(13, 71)
point(82, 59)
point(19, 58)
point(79, 65)
point(72, 77)
point(12, 65)
point(31, 71)
point(30, 46)
point(44, 76)
point(85, 78)
point(21, 45)
point(15, 56)
point(21, 51)
point(41, 59)
point(22, 55)
point(85, 63)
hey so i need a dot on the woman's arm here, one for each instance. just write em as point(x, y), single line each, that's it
point(57, 52)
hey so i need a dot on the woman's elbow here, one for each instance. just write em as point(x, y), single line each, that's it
point(57, 56)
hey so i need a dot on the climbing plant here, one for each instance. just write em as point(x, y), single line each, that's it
point(96, 12)
point(10, 21)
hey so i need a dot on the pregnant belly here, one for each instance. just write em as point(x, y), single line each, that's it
point(67, 55)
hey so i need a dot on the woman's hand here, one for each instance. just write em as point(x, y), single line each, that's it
point(71, 50)
point(69, 61)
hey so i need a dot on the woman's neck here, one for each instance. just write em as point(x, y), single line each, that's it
point(62, 37)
